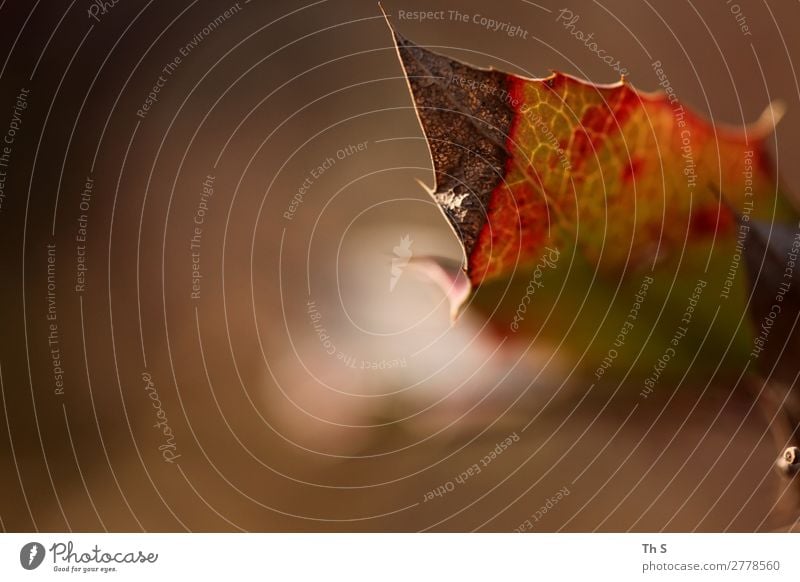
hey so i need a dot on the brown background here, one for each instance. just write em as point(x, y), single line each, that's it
point(274, 433)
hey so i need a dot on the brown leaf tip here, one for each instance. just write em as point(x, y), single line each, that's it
point(466, 115)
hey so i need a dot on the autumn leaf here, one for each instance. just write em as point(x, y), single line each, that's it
point(619, 226)
point(652, 248)
point(521, 161)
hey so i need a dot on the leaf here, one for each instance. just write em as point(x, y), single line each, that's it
point(620, 186)
point(645, 243)
point(628, 177)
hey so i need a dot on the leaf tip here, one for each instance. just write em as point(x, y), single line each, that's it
point(770, 117)
point(451, 278)
point(385, 15)
point(431, 191)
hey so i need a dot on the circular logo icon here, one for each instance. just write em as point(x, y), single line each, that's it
point(31, 555)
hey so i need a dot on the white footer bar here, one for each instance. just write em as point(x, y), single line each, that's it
point(417, 557)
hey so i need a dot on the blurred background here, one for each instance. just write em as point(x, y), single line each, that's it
point(208, 317)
